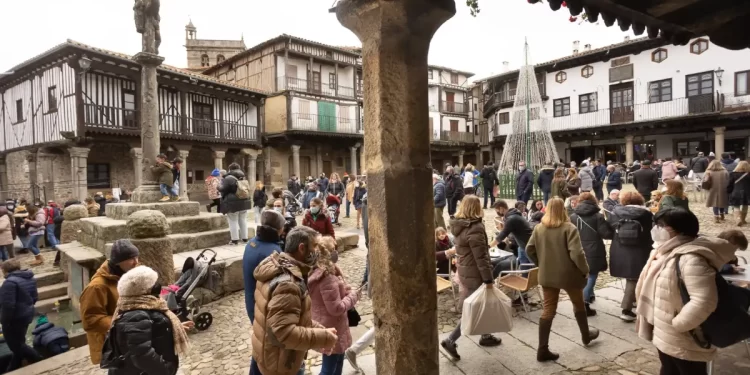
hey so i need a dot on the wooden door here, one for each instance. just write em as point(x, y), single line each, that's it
point(326, 117)
point(621, 103)
point(327, 167)
point(203, 115)
point(700, 89)
point(316, 81)
point(454, 125)
point(450, 98)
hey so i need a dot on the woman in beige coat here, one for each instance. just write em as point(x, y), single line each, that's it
point(718, 198)
point(6, 234)
point(555, 245)
point(662, 316)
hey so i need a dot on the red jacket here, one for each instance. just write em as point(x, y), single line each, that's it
point(321, 224)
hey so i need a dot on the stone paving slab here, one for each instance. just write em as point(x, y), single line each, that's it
point(516, 356)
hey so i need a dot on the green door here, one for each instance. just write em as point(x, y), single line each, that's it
point(326, 117)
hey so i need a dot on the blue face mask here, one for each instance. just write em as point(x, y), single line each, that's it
point(314, 210)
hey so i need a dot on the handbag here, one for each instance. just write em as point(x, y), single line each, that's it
point(706, 183)
point(353, 317)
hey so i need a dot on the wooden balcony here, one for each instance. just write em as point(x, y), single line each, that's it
point(315, 87)
point(323, 123)
point(454, 107)
point(457, 137)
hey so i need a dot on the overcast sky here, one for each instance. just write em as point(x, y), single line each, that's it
point(479, 45)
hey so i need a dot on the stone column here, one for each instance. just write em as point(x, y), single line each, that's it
point(460, 159)
point(362, 165)
point(79, 171)
point(354, 158)
point(4, 186)
point(396, 37)
point(628, 149)
point(295, 162)
point(252, 165)
point(32, 159)
point(219, 159)
point(267, 170)
point(137, 154)
point(183, 175)
point(148, 191)
point(319, 160)
point(478, 159)
point(719, 141)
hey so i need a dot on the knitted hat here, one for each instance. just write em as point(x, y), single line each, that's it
point(216, 172)
point(122, 250)
point(273, 219)
point(137, 282)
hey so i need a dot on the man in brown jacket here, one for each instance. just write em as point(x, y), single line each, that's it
point(283, 330)
point(99, 298)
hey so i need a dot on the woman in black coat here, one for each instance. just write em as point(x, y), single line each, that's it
point(739, 191)
point(631, 245)
point(593, 229)
point(614, 179)
point(233, 206)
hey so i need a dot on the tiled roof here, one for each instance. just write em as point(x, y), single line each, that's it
point(467, 74)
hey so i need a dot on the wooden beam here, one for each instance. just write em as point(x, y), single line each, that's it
point(336, 73)
point(221, 117)
point(80, 114)
point(183, 112)
point(668, 6)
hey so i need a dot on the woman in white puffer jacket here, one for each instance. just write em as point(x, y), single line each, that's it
point(662, 316)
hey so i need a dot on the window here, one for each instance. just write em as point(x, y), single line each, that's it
point(659, 55)
point(587, 71)
point(291, 71)
point(560, 77)
point(562, 107)
point(621, 73)
point(220, 58)
point(741, 83)
point(586, 103)
point(429, 73)
point(503, 118)
point(329, 54)
point(19, 110)
point(454, 78)
point(332, 81)
point(195, 176)
point(660, 91)
point(344, 114)
point(454, 125)
point(475, 106)
point(97, 176)
point(203, 116)
point(700, 84)
point(52, 98)
point(687, 148)
point(699, 46)
point(128, 109)
point(204, 60)
point(304, 109)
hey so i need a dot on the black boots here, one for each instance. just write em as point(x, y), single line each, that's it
point(590, 311)
point(542, 353)
point(588, 334)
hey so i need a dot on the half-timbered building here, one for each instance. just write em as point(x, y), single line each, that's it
point(69, 121)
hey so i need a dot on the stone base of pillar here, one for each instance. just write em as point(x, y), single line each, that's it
point(146, 194)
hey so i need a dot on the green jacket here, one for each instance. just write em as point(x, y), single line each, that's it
point(669, 201)
point(163, 173)
point(559, 255)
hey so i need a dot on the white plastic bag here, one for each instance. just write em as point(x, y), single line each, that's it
point(691, 175)
point(486, 311)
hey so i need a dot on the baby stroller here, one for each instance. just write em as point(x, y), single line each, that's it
point(293, 204)
point(333, 202)
point(195, 273)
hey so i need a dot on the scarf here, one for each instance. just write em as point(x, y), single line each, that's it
point(148, 302)
point(444, 244)
point(645, 290)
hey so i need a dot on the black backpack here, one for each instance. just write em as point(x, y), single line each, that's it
point(628, 231)
point(730, 322)
point(112, 358)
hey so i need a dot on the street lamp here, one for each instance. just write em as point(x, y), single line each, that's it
point(85, 63)
point(719, 72)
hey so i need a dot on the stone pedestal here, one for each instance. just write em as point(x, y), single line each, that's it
point(396, 37)
point(719, 141)
point(79, 171)
point(148, 231)
point(72, 225)
point(149, 115)
point(628, 149)
point(183, 175)
point(295, 162)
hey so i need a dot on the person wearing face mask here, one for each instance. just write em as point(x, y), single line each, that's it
point(99, 298)
point(317, 219)
point(149, 333)
point(290, 221)
point(524, 183)
point(513, 224)
point(663, 319)
point(283, 329)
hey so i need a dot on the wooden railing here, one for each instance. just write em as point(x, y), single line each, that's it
point(323, 123)
point(314, 87)
point(460, 137)
point(99, 116)
point(453, 107)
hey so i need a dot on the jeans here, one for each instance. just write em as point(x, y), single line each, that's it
point(332, 364)
point(168, 190)
point(719, 211)
point(588, 291)
point(237, 225)
point(545, 197)
point(552, 297)
point(502, 264)
point(254, 370)
point(51, 239)
point(15, 337)
point(366, 340)
point(522, 257)
point(675, 366)
point(4, 252)
point(599, 192)
point(488, 194)
point(257, 210)
point(348, 204)
point(33, 243)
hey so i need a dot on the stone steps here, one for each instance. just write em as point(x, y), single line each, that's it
point(121, 211)
point(53, 291)
point(44, 306)
point(49, 278)
point(183, 242)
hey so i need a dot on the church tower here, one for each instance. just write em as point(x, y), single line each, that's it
point(204, 53)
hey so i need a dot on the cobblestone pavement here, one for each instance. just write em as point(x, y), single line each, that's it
point(225, 347)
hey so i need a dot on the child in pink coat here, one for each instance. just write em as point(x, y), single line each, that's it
point(331, 299)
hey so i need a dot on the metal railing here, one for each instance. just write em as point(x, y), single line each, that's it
point(453, 107)
point(314, 87)
point(323, 123)
point(100, 116)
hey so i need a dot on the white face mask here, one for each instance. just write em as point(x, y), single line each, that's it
point(521, 168)
point(660, 234)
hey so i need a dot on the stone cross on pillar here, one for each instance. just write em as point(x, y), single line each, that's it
point(460, 159)
point(628, 149)
point(137, 154)
point(354, 158)
point(295, 162)
point(219, 159)
point(183, 174)
point(719, 141)
point(79, 171)
point(396, 37)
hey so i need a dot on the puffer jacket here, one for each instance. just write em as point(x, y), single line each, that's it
point(472, 249)
point(740, 189)
point(614, 181)
point(230, 202)
point(260, 198)
point(331, 299)
point(593, 229)
point(544, 181)
point(673, 320)
point(283, 330)
point(37, 224)
point(163, 173)
point(18, 294)
point(587, 178)
point(93, 209)
point(98, 302)
point(46, 333)
point(668, 170)
point(212, 187)
point(6, 230)
point(146, 335)
point(627, 261)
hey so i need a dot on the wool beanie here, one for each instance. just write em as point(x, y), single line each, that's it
point(137, 282)
point(122, 250)
point(216, 172)
point(272, 219)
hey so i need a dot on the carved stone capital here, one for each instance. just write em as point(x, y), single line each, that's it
point(295, 149)
point(79, 152)
point(183, 154)
point(219, 154)
point(136, 152)
point(148, 59)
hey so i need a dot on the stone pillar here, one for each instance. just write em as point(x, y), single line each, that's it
point(79, 171)
point(252, 165)
point(183, 175)
point(362, 165)
point(460, 159)
point(32, 159)
point(354, 159)
point(267, 170)
point(295, 162)
point(628, 149)
point(148, 191)
point(319, 160)
point(219, 159)
point(396, 37)
point(4, 186)
point(719, 141)
point(137, 154)
point(478, 159)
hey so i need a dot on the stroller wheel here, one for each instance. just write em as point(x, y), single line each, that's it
point(203, 321)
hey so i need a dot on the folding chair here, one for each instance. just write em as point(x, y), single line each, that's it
point(453, 287)
point(515, 281)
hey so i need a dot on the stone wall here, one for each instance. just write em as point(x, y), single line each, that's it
point(117, 156)
point(339, 158)
point(53, 175)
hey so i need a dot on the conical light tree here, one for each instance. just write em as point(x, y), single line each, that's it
point(529, 139)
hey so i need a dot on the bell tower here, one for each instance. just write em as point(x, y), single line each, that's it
point(191, 33)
